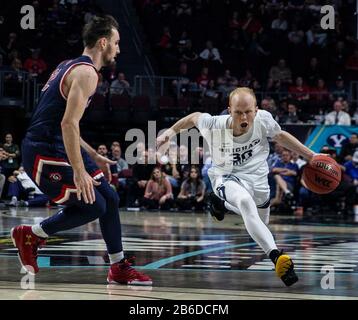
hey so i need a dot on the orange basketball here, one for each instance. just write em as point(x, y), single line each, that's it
point(322, 175)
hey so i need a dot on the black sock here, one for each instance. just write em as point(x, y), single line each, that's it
point(274, 254)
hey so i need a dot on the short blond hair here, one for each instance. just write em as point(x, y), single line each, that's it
point(241, 90)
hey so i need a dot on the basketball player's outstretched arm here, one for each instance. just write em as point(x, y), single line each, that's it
point(187, 122)
point(289, 142)
point(81, 84)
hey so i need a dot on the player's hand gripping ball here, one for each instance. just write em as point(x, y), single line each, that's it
point(322, 175)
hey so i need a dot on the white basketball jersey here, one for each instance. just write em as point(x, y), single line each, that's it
point(242, 155)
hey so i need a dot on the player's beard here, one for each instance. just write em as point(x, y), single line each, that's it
point(107, 57)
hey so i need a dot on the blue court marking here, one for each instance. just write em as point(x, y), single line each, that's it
point(162, 262)
point(44, 262)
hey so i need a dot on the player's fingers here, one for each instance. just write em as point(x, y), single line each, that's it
point(93, 194)
point(84, 195)
point(78, 194)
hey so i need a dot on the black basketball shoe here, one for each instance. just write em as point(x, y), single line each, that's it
point(217, 207)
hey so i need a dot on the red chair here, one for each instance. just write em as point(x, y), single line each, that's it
point(165, 102)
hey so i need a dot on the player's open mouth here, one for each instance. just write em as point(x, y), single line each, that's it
point(244, 125)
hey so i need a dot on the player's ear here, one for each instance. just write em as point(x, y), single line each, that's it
point(103, 42)
point(229, 109)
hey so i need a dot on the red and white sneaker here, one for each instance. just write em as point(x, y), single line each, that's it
point(123, 273)
point(27, 243)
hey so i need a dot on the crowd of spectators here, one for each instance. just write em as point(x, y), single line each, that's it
point(32, 55)
point(278, 48)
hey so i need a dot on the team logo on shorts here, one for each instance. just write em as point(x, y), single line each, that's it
point(55, 177)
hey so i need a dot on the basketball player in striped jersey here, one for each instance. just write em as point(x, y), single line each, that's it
point(64, 166)
point(239, 149)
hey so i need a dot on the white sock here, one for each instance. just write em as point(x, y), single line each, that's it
point(116, 257)
point(37, 229)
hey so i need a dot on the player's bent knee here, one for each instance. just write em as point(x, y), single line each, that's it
point(112, 199)
point(246, 204)
point(99, 208)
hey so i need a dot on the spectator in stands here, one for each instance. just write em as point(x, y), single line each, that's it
point(227, 82)
point(137, 183)
point(269, 105)
point(35, 65)
point(281, 72)
point(299, 92)
point(21, 186)
point(204, 173)
point(339, 90)
point(110, 73)
point(183, 163)
point(113, 145)
point(272, 88)
point(170, 167)
point(102, 86)
point(165, 41)
point(12, 43)
point(120, 166)
point(316, 37)
point(210, 53)
point(112, 177)
point(298, 160)
point(120, 85)
point(250, 25)
point(320, 94)
point(352, 168)
point(192, 192)
point(2, 177)
point(211, 91)
point(280, 23)
point(234, 21)
point(117, 156)
point(313, 72)
point(285, 174)
point(158, 192)
point(352, 61)
point(291, 116)
point(188, 54)
point(296, 36)
point(203, 79)
point(338, 116)
point(102, 150)
point(349, 148)
point(12, 155)
point(337, 59)
point(275, 156)
point(183, 83)
point(16, 72)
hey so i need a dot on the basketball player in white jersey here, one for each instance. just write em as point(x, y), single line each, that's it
point(239, 149)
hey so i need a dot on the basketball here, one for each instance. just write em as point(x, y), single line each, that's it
point(322, 175)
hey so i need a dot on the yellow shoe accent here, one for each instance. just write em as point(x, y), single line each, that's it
point(283, 265)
